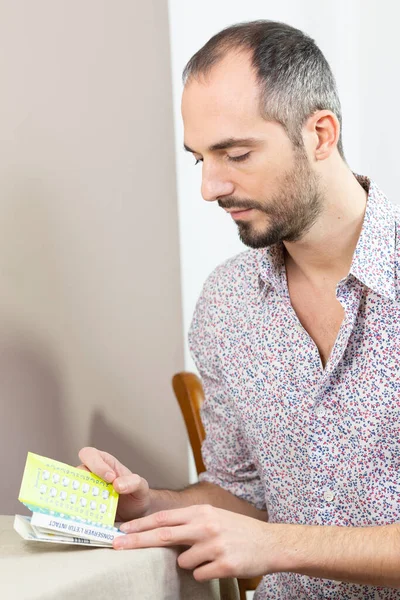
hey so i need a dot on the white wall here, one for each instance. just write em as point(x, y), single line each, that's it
point(360, 41)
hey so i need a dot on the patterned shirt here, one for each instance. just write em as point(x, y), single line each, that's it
point(310, 445)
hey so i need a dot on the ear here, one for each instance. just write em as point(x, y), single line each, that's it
point(322, 132)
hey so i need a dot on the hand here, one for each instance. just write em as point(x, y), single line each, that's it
point(222, 543)
point(134, 500)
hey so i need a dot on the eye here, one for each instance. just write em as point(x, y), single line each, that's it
point(240, 158)
point(197, 161)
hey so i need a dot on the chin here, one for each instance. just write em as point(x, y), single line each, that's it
point(262, 240)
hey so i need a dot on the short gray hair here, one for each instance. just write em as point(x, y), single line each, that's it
point(294, 76)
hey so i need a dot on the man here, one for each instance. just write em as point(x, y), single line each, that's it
point(297, 340)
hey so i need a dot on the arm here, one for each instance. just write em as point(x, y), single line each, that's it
point(227, 453)
point(202, 493)
point(363, 555)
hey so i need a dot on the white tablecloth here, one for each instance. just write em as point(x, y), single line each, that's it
point(45, 571)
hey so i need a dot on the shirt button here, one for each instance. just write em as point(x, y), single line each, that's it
point(320, 411)
point(329, 495)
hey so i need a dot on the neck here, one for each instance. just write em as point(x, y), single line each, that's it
point(327, 249)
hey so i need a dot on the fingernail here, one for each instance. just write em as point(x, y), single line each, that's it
point(109, 476)
point(119, 544)
point(122, 487)
point(124, 527)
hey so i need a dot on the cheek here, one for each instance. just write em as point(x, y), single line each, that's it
point(262, 177)
point(260, 183)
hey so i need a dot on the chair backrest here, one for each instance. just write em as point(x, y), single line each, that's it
point(190, 395)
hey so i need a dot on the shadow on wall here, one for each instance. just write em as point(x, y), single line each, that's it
point(104, 436)
point(31, 413)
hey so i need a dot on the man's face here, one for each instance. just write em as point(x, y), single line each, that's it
point(249, 164)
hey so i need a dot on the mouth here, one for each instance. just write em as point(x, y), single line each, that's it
point(240, 214)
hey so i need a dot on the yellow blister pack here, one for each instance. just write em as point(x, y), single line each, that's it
point(54, 488)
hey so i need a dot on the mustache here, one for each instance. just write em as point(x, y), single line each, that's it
point(243, 204)
point(236, 203)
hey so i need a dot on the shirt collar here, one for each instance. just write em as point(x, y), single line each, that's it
point(374, 257)
point(271, 262)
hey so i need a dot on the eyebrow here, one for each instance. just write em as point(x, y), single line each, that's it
point(228, 143)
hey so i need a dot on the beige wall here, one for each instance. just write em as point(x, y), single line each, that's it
point(90, 309)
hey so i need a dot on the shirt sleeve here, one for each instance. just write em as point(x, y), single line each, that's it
point(226, 452)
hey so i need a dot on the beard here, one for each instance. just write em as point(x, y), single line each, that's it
point(292, 211)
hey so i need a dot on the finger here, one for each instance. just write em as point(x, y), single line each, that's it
point(219, 568)
point(96, 463)
point(196, 555)
point(132, 484)
point(163, 518)
point(102, 463)
point(209, 571)
point(83, 467)
point(156, 538)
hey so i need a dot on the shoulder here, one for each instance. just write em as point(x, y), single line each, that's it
point(233, 277)
point(225, 295)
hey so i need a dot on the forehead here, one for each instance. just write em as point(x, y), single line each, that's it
point(226, 101)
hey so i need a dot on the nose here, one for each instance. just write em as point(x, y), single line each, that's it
point(215, 183)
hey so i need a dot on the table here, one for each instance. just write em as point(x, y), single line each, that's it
point(47, 571)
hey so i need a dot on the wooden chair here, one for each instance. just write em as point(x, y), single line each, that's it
point(190, 395)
